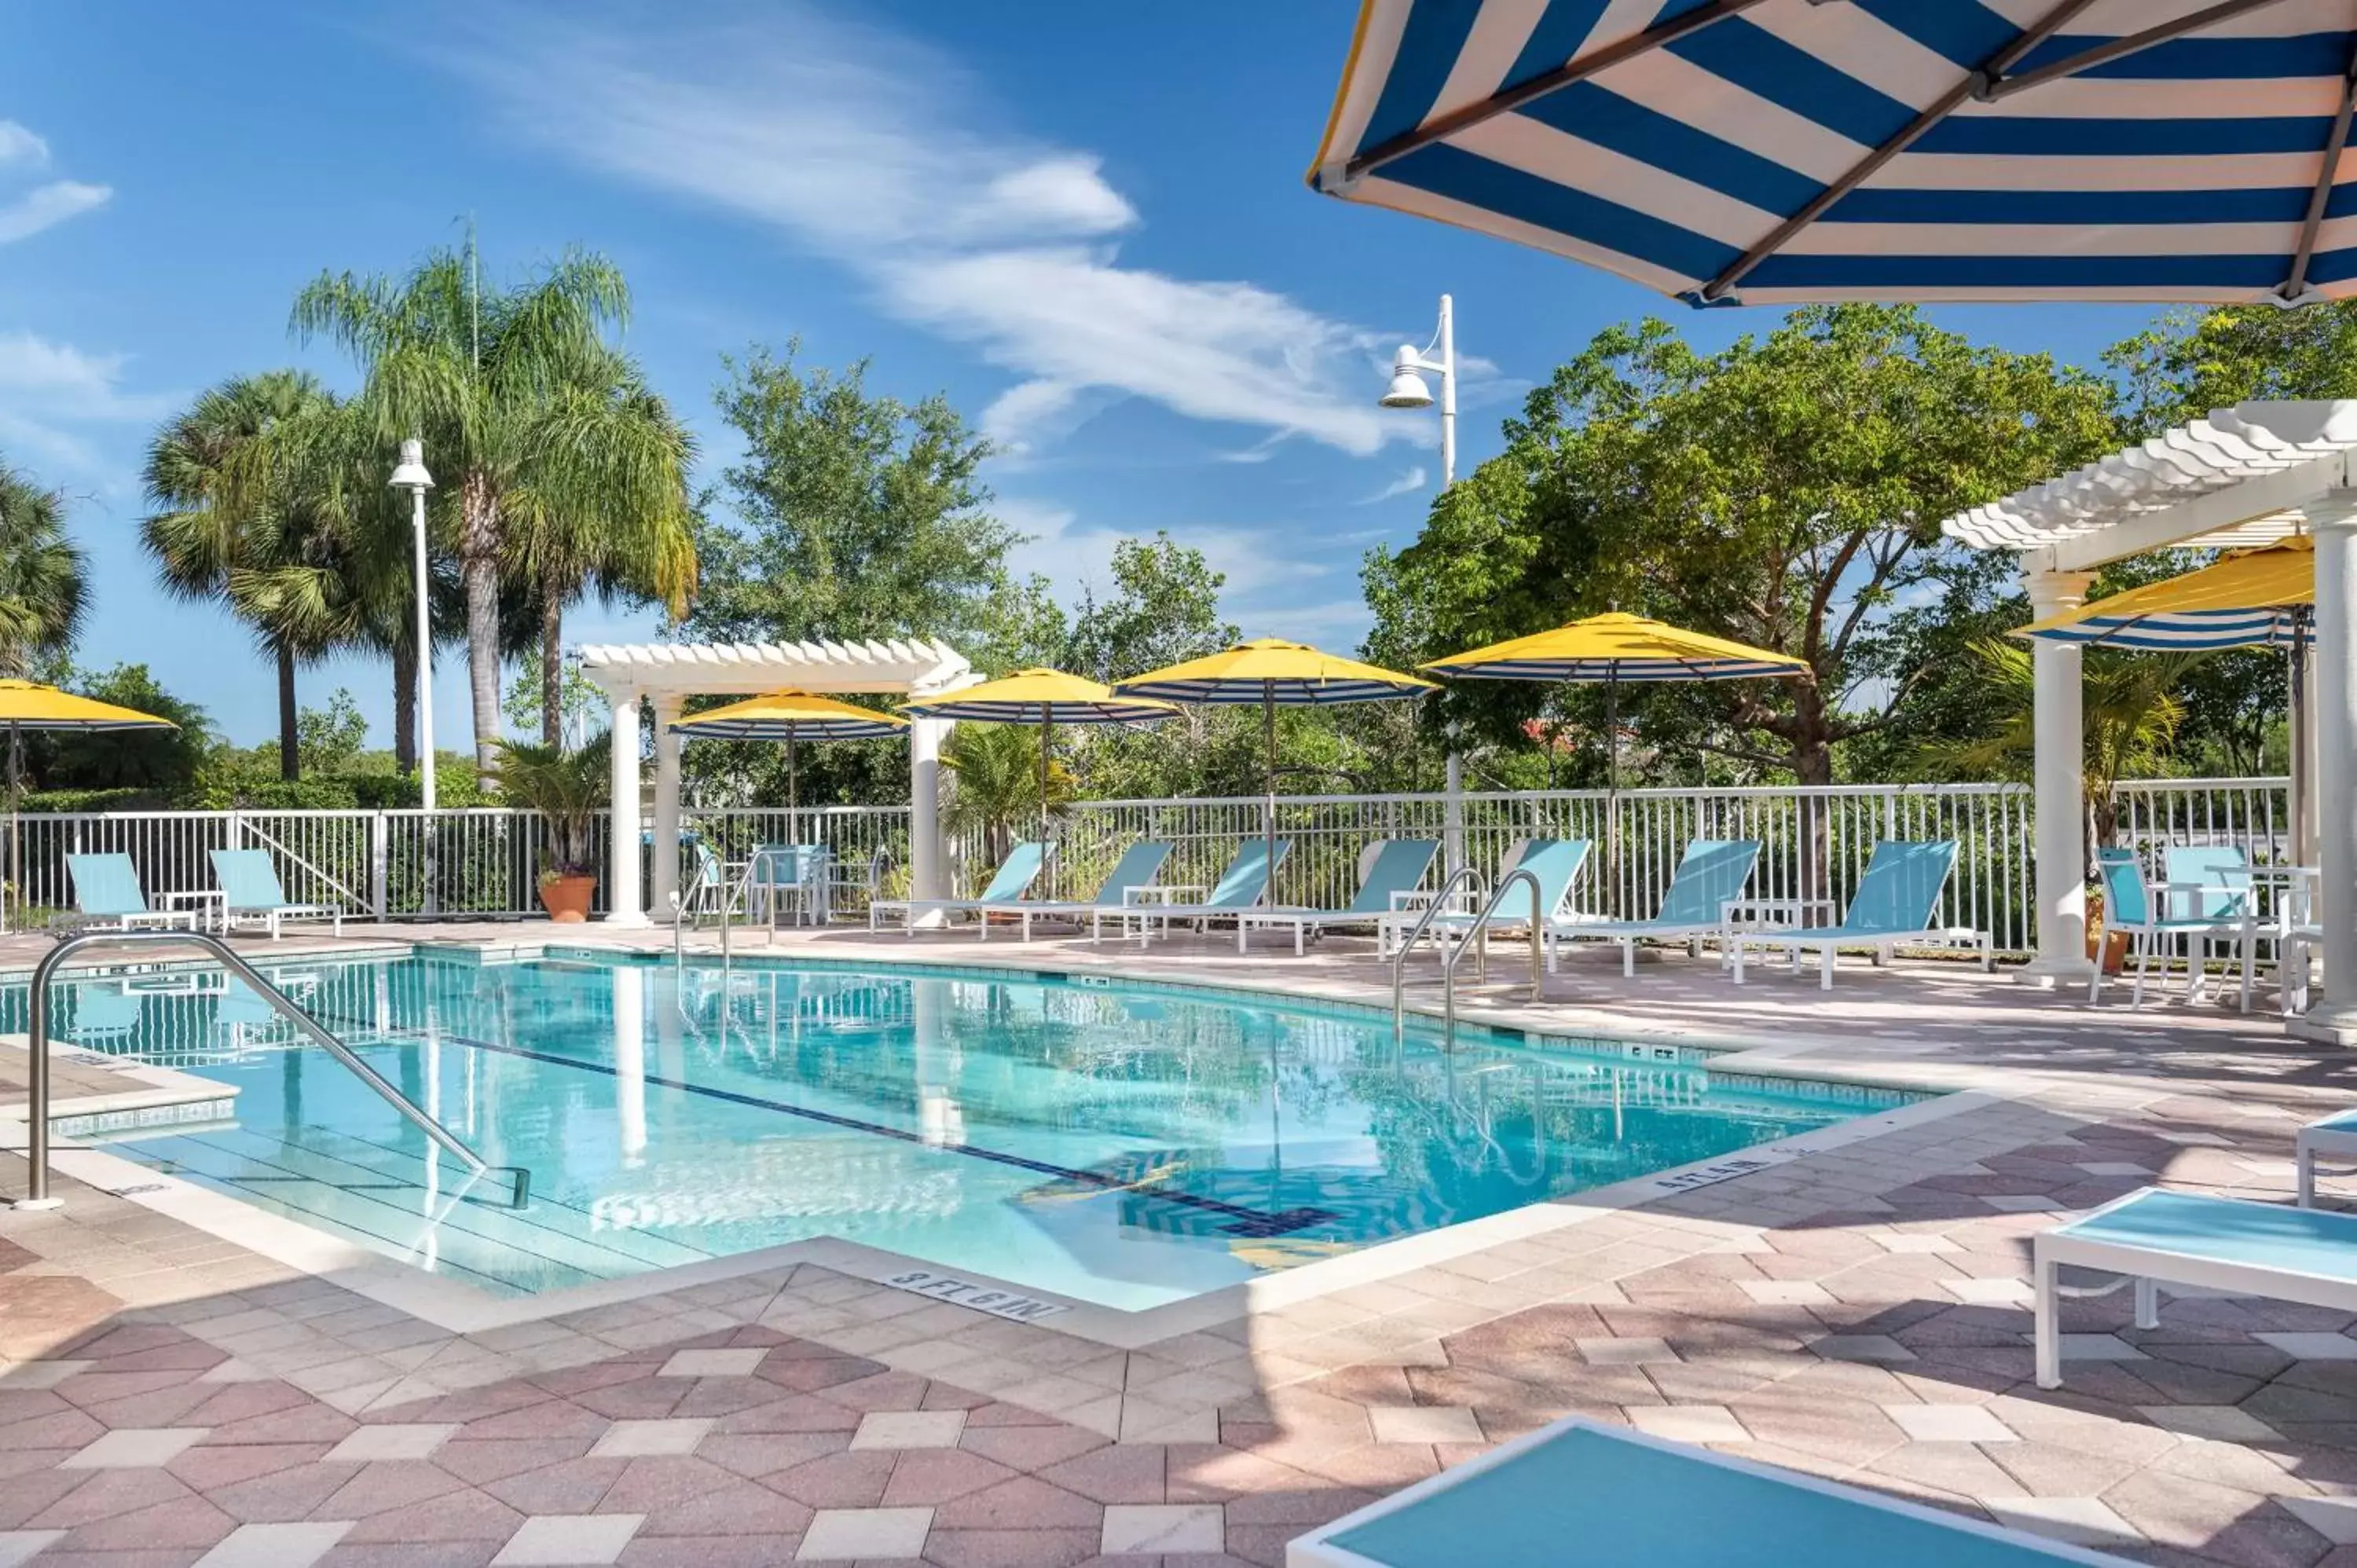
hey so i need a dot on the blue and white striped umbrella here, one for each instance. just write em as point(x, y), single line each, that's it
point(2260, 599)
point(1775, 151)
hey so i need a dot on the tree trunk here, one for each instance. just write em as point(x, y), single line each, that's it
point(478, 555)
point(1812, 766)
point(551, 655)
point(404, 707)
point(290, 752)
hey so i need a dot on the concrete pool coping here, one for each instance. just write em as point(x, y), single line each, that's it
point(462, 1308)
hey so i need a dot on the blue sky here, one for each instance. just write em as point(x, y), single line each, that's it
point(1083, 222)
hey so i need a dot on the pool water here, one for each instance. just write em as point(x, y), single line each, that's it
point(1122, 1144)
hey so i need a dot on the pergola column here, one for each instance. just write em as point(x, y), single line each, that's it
point(667, 707)
point(2059, 781)
point(928, 852)
point(2334, 1017)
point(624, 904)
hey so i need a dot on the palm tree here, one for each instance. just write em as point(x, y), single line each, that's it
point(573, 545)
point(511, 390)
point(44, 592)
point(254, 511)
point(997, 769)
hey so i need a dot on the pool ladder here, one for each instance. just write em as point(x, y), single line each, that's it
point(1477, 939)
point(37, 1109)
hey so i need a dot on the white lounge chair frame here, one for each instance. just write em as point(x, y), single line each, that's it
point(2150, 1267)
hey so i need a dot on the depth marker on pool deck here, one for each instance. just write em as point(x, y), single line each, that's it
point(1252, 1224)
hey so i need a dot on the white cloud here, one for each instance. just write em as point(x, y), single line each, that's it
point(46, 387)
point(1415, 479)
point(19, 145)
point(47, 204)
point(870, 147)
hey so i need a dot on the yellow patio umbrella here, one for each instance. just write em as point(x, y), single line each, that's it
point(1274, 673)
point(29, 704)
point(791, 716)
point(1612, 647)
point(2259, 598)
point(1043, 697)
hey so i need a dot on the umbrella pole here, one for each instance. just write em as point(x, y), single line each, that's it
point(1612, 785)
point(794, 782)
point(1046, 736)
point(1268, 808)
point(16, 819)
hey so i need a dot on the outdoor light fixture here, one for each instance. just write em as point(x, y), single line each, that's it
point(1408, 389)
point(409, 474)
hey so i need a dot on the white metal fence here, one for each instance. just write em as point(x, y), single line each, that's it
point(485, 862)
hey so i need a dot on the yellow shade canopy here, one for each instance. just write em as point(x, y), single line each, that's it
point(791, 715)
point(1271, 670)
point(2257, 598)
point(29, 704)
point(1040, 697)
point(1618, 647)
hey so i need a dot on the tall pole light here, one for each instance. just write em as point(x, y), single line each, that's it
point(409, 474)
point(1408, 389)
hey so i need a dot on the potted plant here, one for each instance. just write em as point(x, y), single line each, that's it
point(568, 789)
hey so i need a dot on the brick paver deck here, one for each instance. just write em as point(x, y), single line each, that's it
point(167, 1398)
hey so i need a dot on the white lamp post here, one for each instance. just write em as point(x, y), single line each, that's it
point(1408, 390)
point(409, 474)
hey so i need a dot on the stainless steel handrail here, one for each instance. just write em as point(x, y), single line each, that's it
point(37, 1028)
point(1464, 874)
point(1479, 937)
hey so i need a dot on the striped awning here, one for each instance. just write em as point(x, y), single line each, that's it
point(1781, 151)
point(2262, 598)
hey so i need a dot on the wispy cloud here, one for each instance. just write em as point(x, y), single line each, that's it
point(44, 206)
point(49, 389)
point(1415, 479)
point(869, 147)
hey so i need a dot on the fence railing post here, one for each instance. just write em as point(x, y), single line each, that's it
point(380, 850)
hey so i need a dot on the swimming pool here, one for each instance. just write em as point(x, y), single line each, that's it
point(1123, 1144)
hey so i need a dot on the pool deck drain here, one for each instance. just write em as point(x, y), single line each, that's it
point(1854, 1310)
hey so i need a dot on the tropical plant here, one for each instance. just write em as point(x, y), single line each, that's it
point(568, 788)
point(996, 769)
point(2129, 716)
point(254, 512)
point(44, 588)
point(523, 408)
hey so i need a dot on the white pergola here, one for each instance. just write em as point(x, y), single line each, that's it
point(666, 674)
point(2244, 476)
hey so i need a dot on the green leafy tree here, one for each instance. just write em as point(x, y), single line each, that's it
point(2190, 362)
point(1163, 607)
point(2129, 717)
point(252, 513)
point(168, 761)
point(1786, 491)
point(332, 738)
point(995, 788)
point(44, 581)
point(515, 389)
point(851, 514)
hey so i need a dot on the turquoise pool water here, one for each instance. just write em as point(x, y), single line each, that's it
point(1121, 1143)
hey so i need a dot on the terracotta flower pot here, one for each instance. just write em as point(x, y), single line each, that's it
point(566, 899)
point(2108, 948)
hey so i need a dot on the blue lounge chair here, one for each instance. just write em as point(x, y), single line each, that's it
point(2129, 906)
point(1580, 1495)
point(252, 894)
point(1894, 905)
point(1556, 863)
point(108, 898)
point(1387, 872)
point(1710, 876)
point(1240, 886)
point(1014, 879)
point(1139, 865)
point(2202, 1243)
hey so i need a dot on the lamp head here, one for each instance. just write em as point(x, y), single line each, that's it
point(1407, 389)
point(410, 473)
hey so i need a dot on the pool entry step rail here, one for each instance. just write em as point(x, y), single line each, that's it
point(37, 1109)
